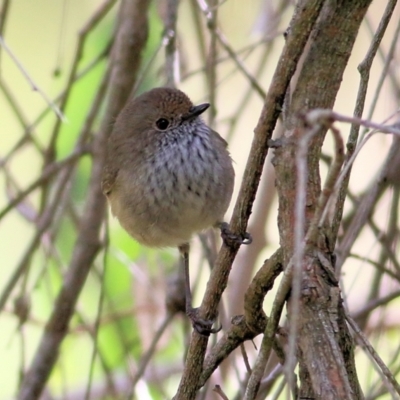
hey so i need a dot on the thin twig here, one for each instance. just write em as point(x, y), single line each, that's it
point(364, 69)
point(146, 357)
point(129, 44)
point(217, 389)
point(30, 80)
point(301, 26)
point(390, 382)
point(170, 37)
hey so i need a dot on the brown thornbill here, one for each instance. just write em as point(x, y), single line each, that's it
point(167, 175)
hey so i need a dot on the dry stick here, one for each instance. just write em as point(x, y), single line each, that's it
point(390, 56)
point(393, 129)
point(269, 334)
point(266, 192)
point(333, 116)
point(95, 335)
point(378, 389)
point(69, 162)
point(388, 241)
point(267, 383)
point(245, 358)
point(278, 391)
point(46, 218)
point(112, 317)
point(210, 10)
point(27, 137)
point(83, 136)
point(93, 21)
point(381, 52)
point(316, 223)
point(390, 382)
point(12, 187)
point(332, 178)
point(29, 128)
point(299, 249)
point(259, 70)
point(51, 170)
point(84, 326)
point(384, 59)
point(256, 319)
point(364, 69)
point(131, 39)
point(247, 259)
point(365, 208)
point(378, 266)
point(146, 357)
point(301, 26)
point(109, 381)
point(292, 275)
point(247, 50)
point(171, 59)
point(379, 128)
point(216, 34)
point(43, 225)
point(50, 154)
point(91, 65)
point(217, 389)
point(384, 238)
point(3, 16)
point(240, 65)
point(198, 27)
point(211, 13)
point(246, 327)
point(55, 168)
point(373, 304)
point(30, 80)
point(112, 387)
point(61, 40)
point(13, 103)
point(80, 149)
point(85, 131)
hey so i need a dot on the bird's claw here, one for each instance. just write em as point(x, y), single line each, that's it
point(200, 325)
point(229, 238)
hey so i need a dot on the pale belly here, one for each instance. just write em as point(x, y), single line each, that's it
point(160, 212)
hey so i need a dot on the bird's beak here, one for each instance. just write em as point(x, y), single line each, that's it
point(195, 111)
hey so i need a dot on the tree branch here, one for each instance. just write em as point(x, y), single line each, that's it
point(132, 36)
point(300, 28)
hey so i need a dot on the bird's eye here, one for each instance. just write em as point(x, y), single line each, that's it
point(162, 124)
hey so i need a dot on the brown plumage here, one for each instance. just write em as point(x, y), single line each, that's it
point(164, 185)
point(167, 175)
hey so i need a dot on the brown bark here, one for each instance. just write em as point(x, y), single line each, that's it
point(131, 38)
point(325, 347)
point(301, 26)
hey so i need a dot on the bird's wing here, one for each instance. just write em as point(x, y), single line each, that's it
point(219, 138)
point(108, 179)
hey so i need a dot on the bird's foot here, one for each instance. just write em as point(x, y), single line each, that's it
point(200, 325)
point(230, 238)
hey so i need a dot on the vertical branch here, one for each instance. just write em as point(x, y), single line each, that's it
point(301, 26)
point(3, 16)
point(364, 69)
point(50, 154)
point(170, 36)
point(132, 36)
point(211, 68)
point(324, 345)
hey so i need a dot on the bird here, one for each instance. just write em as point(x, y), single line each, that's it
point(167, 176)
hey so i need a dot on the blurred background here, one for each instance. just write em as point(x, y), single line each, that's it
point(53, 58)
